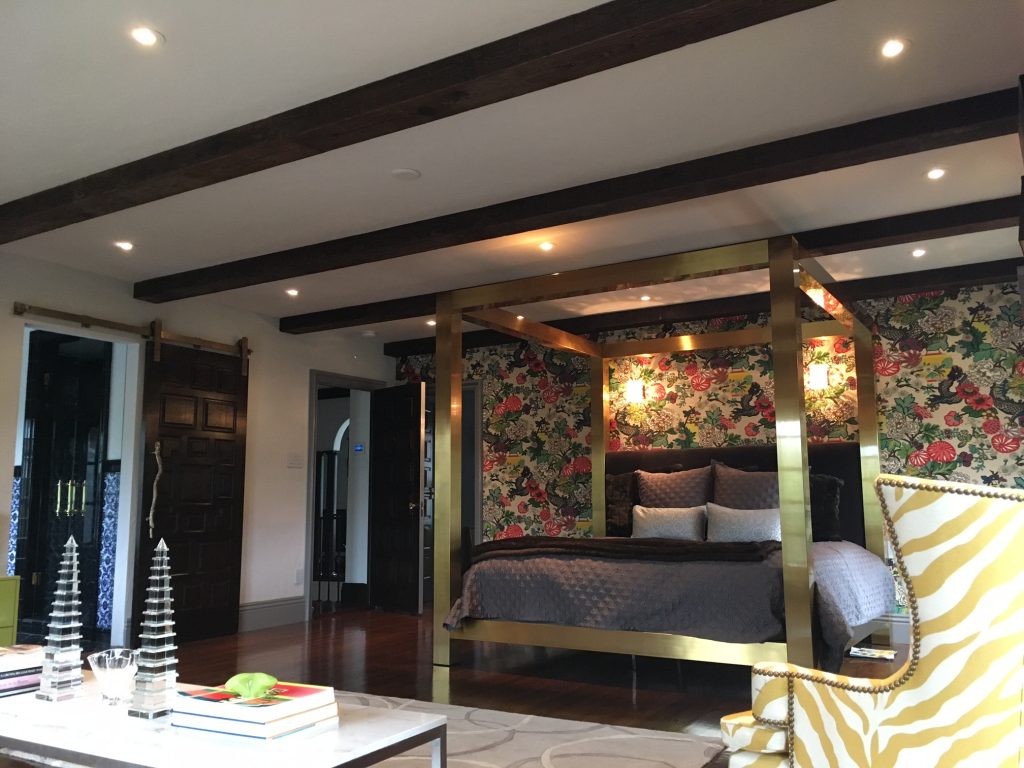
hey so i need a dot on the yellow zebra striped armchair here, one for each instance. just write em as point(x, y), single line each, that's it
point(958, 699)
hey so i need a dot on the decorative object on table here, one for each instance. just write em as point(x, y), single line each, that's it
point(158, 664)
point(114, 670)
point(251, 685)
point(62, 654)
point(280, 710)
point(21, 668)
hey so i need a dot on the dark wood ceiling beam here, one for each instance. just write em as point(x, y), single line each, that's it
point(911, 227)
point(924, 225)
point(942, 125)
point(606, 36)
point(944, 279)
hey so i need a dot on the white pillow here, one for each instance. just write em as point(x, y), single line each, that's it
point(725, 524)
point(668, 523)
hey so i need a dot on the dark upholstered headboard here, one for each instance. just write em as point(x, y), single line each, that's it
point(841, 460)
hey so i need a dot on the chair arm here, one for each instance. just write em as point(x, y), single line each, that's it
point(769, 687)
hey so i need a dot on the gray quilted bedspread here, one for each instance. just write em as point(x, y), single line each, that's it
point(730, 601)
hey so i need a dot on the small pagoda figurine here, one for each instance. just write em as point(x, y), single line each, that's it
point(62, 654)
point(155, 680)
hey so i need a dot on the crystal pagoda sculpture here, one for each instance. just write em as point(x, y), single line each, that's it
point(155, 681)
point(62, 654)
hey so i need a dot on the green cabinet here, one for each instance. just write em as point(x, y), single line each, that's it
point(8, 608)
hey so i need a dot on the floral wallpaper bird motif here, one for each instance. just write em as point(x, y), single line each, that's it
point(949, 372)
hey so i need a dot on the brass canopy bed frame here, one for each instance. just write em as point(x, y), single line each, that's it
point(790, 273)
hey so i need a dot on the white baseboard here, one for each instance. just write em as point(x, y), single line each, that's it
point(261, 614)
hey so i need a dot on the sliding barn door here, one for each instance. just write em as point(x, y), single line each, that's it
point(397, 419)
point(194, 406)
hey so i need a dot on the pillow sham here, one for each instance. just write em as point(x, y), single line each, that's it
point(738, 489)
point(668, 523)
point(825, 491)
point(676, 490)
point(619, 497)
point(727, 524)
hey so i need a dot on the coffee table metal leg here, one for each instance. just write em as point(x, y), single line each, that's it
point(439, 750)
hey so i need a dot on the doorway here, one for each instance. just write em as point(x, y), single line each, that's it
point(67, 478)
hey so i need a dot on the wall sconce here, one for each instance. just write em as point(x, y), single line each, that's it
point(635, 391)
point(817, 376)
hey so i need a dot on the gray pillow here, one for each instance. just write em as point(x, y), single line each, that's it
point(738, 489)
point(689, 488)
point(725, 524)
point(668, 523)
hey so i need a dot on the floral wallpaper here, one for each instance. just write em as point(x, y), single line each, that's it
point(949, 369)
point(950, 374)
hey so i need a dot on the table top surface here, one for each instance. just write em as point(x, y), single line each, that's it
point(86, 726)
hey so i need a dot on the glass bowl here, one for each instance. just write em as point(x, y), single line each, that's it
point(115, 670)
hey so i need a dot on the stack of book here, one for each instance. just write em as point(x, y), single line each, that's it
point(287, 708)
point(21, 667)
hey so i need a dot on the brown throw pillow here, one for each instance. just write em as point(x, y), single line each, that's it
point(737, 489)
point(689, 488)
point(619, 497)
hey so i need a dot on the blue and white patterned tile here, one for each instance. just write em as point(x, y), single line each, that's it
point(12, 546)
point(108, 549)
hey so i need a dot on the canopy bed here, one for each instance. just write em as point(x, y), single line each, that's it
point(785, 333)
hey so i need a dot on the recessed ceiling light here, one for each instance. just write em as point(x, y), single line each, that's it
point(546, 246)
point(555, 274)
point(893, 47)
point(645, 297)
point(368, 334)
point(405, 174)
point(917, 253)
point(293, 292)
point(936, 173)
point(520, 317)
point(431, 322)
point(146, 36)
point(124, 245)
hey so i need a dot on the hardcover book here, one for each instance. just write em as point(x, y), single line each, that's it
point(272, 729)
point(282, 700)
point(18, 657)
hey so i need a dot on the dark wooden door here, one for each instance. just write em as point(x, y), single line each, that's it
point(194, 405)
point(396, 498)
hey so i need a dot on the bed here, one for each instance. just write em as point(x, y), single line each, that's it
point(721, 591)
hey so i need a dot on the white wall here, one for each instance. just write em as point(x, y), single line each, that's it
point(273, 546)
point(330, 415)
point(357, 533)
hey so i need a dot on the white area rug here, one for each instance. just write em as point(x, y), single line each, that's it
point(485, 738)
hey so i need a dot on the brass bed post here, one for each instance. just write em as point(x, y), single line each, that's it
point(791, 444)
point(867, 425)
point(598, 441)
point(448, 471)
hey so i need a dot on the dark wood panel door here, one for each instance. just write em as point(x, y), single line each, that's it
point(397, 418)
point(194, 406)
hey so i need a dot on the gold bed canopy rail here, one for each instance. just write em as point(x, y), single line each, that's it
point(153, 331)
point(783, 258)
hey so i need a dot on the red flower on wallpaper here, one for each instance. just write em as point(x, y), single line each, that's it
point(665, 364)
point(953, 419)
point(991, 426)
point(1004, 443)
point(921, 412)
point(513, 531)
point(568, 470)
point(727, 423)
point(885, 366)
point(536, 365)
point(1019, 367)
point(542, 383)
point(942, 452)
point(488, 464)
point(513, 404)
point(751, 429)
point(691, 369)
point(814, 343)
point(545, 514)
point(842, 345)
point(520, 379)
point(614, 444)
point(700, 382)
point(613, 425)
point(551, 528)
point(550, 395)
point(523, 508)
point(582, 465)
point(720, 375)
point(918, 459)
point(656, 391)
point(910, 358)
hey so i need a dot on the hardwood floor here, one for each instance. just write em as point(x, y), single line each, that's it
point(390, 655)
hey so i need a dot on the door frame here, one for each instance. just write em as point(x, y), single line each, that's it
point(316, 378)
point(132, 446)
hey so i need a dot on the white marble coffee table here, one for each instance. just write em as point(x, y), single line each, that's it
point(83, 731)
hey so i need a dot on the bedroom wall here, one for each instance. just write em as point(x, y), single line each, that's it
point(536, 427)
point(273, 547)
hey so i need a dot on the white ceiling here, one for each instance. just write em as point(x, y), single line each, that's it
point(66, 98)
